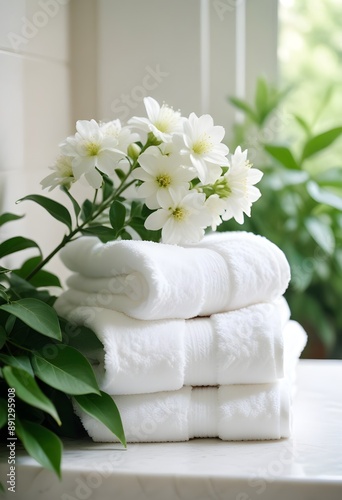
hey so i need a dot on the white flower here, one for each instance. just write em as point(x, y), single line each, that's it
point(162, 121)
point(90, 149)
point(62, 174)
point(202, 145)
point(162, 176)
point(123, 135)
point(240, 180)
point(216, 207)
point(183, 221)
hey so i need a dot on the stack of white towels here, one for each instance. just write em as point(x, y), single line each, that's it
point(198, 340)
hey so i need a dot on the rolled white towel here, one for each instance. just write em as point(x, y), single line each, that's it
point(148, 280)
point(237, 347)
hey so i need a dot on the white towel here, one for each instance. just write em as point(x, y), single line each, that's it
point(235, 412)
point(148, 280)
point(237, 347)
point(230, 412)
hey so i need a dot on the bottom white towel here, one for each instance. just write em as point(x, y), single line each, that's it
point(230, 412)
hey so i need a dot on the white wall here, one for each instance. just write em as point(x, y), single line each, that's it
point(65, 60)
point(35, 106)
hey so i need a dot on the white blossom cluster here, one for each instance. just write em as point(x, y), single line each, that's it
point(182, 170)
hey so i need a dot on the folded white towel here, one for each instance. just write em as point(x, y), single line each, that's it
point(148, 280)
point(230, 412)
point(237, 347)
point(235, 412)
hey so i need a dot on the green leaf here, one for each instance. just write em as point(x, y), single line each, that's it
point(103, 409)
point(136, 208)
point(104, 233)
point(22, 362)
point(8, 217)
point(66, 370)
point(117, 216)
point(4, 294)
point(120, 173)
point(3, 413)
point(124, 235)
point(261, 100)
point(107, 187)
point(21, 288)
point(319, 142)
point(283, 155)
point(27, 389)
point(77, 208)
point(324, 196)
point(80, 337)
point(145, 234)
point(54, 208)
point(303, 124)
point(36, 314)
point(321, 233)
point(87, 209)
point(245, 107)
point(3, 336)
point(41, 444)
point(16, 244)
point(42, 278)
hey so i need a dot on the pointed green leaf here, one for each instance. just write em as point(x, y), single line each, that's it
point(54, 208)
point(303, 124)
point(245, 107)
point(41, 278)
point(66, 370)
point(77, 208)
point(120, 173)
point(41, 444)
point(16, 244)
point(104, 233)
point(321, 233)
point(4, 270)
point(324, 196)
point(283, 155)
point(103, 409)
point(27, 389)
point(117, 216)
point(36, 314)
point(8, 217)
point(86, 210)
point(321, 141)
point(22, 362)
point(3, 413)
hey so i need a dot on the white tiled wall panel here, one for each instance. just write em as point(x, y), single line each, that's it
point(35, 27)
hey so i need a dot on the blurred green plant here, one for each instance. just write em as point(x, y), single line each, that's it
point(300, 210)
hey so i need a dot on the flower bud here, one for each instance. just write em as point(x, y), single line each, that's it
point(133, 151)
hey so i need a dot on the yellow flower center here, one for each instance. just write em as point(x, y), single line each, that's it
point(93, 149)
point(179, 214)
point(203, 145)
point(163, 180)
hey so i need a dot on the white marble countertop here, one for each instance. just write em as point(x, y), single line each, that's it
point(306, 467)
